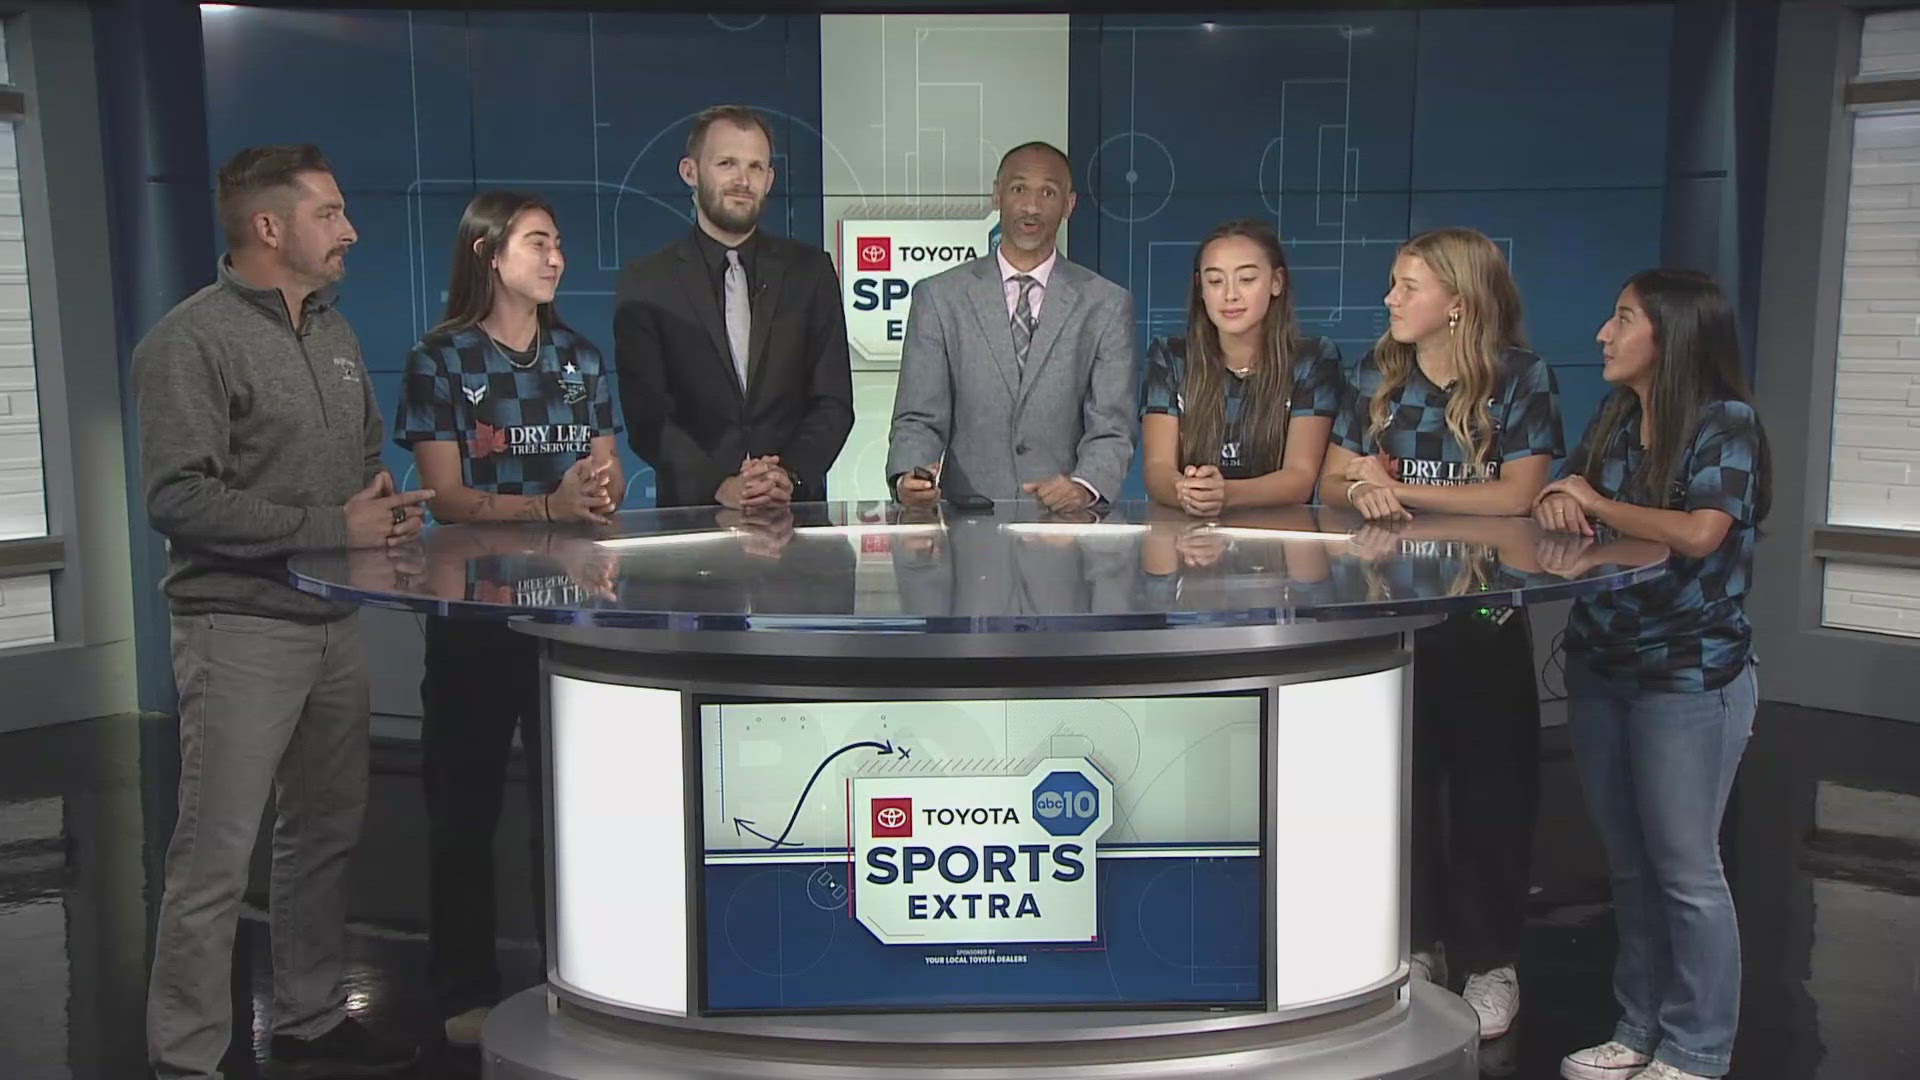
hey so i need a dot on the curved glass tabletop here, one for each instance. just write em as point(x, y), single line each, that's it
point(878, 567)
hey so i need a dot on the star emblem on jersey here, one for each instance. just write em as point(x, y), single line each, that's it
point(570, 369)
point(486, 440)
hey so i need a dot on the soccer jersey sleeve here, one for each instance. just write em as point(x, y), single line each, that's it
point(426, 412)
point(1533, 418)
point(1317, 382)
point(1160, 388)
point(602, 395)
point(1721, 467)
point(1351, 422)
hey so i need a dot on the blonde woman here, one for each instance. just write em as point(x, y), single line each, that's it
point(1451, 413)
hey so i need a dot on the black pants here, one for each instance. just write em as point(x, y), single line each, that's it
point(1476, 789)
point(482, 680)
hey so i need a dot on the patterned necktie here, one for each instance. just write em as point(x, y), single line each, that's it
point(739, 314)
point(1023, 317)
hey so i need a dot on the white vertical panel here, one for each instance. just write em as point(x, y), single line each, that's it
point(1337, 796)
point(620, 843)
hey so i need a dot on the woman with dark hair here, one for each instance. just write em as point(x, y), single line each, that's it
point(509, 415)
point(1660, 681)
point(1236, 414)
point(1450, 412)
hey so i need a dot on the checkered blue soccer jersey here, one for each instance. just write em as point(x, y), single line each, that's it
point(1525, 407)
point(1688, 630)
point(519, 430)
point(1317, 388)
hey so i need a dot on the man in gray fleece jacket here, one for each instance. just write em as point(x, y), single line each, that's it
point(260, 439)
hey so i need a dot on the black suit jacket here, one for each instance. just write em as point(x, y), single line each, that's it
point(687, 414)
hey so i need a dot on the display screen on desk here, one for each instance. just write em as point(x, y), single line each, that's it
point(1019, 853)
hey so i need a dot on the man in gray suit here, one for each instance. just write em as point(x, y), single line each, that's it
point(1017, 376)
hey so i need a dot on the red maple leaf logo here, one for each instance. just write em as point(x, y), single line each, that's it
point(487, 439)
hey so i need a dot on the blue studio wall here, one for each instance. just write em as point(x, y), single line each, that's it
point(589, 110)
point(1547, 129)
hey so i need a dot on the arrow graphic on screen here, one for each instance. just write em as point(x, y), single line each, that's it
point(745, 825)
point(740, 825)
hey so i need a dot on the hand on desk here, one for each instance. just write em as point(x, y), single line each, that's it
point(583, 494)
point(1202, 491)
point(1060, 494)
point(760, 484)
point(1560, 509)
point(917, 490)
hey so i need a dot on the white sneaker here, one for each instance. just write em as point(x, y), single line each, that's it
point(1424, 965)
point(1660, 1070)
point(1495, 997)
point(464, 1030)
point(1608, 1061)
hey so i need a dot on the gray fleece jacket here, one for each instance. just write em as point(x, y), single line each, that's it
point(252, 437)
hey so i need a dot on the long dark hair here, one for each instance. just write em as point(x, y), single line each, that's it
point(488, 220)
point(1697, 363)
point(1263, 423)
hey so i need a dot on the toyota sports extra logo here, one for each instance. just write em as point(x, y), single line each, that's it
point(873, 253)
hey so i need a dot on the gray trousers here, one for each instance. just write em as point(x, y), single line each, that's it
point(274, 707)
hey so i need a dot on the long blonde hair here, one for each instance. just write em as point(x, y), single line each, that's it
point(1470, 267)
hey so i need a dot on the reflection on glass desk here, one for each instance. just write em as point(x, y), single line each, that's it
point(878, 567)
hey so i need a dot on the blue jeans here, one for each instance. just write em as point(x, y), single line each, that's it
point(1657, 767)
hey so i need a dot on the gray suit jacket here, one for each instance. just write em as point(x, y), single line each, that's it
point(962, 393)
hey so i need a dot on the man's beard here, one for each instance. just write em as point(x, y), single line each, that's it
point(322, 272)
point(713, 202)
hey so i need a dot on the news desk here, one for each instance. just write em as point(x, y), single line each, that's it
point(858, 792)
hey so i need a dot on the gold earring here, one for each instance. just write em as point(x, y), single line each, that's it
point(1453, 321)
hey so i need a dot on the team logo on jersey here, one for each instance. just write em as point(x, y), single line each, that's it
point(573, 385)
point(474, 394)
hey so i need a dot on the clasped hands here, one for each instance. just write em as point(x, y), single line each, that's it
point(1370, 489)
point(760, 484)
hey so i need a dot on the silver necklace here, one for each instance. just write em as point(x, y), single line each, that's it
point(532, 359)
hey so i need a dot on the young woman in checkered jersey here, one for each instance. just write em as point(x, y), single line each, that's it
point(1451, 413)
point(509, 412)
point(1236, 413)
point(1660, 676)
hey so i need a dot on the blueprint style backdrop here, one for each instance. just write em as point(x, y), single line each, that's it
point(1547, 129)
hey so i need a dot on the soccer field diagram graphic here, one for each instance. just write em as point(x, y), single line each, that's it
point(1546, 130)
point(1178, 869)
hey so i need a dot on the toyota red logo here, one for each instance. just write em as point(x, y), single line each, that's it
point(873, 253)
point(893, 817)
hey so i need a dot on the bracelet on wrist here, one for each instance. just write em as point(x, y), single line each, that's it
point(546, 505)
point(1354, 486)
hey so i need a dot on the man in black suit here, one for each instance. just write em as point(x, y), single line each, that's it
point(731, 344)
